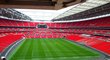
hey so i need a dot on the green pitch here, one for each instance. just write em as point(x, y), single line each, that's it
point(52, 49)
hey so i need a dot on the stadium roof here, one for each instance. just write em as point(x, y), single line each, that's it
point(39, 4)
point(43, 15)
point(89, 4)
point(48, 15)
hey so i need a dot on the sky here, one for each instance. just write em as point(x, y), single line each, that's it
point(37, 14)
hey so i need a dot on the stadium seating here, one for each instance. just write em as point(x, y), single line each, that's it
point(97, 32)
point(96, 42)
point(7, 40)
point(90, 23)
point(60, 29)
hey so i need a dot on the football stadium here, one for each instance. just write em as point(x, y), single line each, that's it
point(54, 29)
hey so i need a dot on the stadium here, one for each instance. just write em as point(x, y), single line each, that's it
point(54, 29)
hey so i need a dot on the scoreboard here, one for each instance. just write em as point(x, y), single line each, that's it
point(41, 26)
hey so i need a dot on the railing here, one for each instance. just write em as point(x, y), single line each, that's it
point(9, 49)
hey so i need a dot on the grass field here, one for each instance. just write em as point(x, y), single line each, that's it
point(52, 49)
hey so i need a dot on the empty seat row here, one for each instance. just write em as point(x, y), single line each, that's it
point(5, 41)
point(98, 43)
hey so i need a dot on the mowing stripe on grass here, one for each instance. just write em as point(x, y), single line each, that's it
point(86, 50)
point(52, 49)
